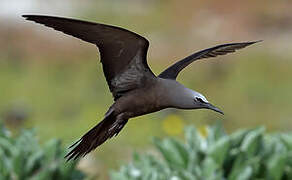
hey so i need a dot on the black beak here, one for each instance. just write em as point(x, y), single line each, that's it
point(214, 108)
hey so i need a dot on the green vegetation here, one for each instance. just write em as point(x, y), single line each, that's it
point(212, 154)
point(23, 158)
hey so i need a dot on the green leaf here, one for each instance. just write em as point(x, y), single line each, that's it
point(275, 166)
point(34, 162)
point(219, 150)
point(287, 140)
point(209, 169)
point(52, 150)
point(193, 139)
point(245, 174)
point(6, 146)
point(237, 137)
point(173, 152)
point(252, 142)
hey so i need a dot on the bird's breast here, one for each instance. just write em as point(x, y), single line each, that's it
point(140, 102)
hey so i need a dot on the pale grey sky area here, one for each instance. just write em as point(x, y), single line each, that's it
point(15, 8)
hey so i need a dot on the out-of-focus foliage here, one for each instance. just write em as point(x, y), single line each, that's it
point(22, 157)
point(243, 155)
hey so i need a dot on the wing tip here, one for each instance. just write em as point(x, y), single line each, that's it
point(253, 42)
point(248, 43)
point(261, 40)
point(25, 16)
point(33, 17)
point(30, 17)
point(245, 44)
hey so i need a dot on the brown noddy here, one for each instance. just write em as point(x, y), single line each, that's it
point(135, 88)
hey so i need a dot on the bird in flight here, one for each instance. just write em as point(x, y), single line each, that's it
point(135, 88)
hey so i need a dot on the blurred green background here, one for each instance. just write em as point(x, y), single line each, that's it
point(55, 83)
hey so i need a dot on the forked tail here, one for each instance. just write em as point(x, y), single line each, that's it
point(110, 126)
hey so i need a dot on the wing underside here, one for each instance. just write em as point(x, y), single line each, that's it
point(173, 71)
point(118, 49)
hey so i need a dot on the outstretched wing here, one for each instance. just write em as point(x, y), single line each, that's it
point(123, 53)
point(172, 71)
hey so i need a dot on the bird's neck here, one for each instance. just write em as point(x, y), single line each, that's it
point(174, 94)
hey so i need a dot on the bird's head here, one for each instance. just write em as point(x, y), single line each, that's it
point(200, 102)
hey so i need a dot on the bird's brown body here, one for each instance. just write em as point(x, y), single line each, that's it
point(131, 102)
point(135, 88)
point(150, 98)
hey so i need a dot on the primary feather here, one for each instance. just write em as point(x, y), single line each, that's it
point(173, 71)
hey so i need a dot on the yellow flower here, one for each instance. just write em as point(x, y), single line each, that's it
point(203, 130)
point(173, 125)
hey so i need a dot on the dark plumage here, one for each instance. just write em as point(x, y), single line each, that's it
point(172, 71)
point(135, 88)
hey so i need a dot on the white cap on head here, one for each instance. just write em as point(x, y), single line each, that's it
point(198, 95)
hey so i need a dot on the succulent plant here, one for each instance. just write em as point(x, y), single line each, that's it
point(214, 155)
point(22, 157)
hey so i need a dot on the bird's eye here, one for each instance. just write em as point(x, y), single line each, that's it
point(200, 100)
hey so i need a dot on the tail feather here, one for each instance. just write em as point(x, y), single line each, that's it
point(110, 126)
